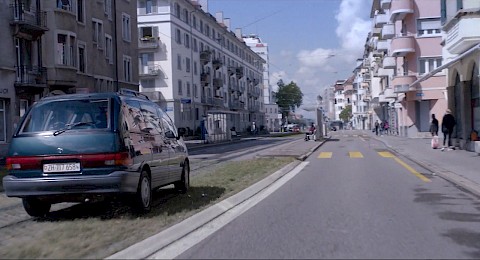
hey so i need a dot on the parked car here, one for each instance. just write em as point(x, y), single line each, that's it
point(80, 147)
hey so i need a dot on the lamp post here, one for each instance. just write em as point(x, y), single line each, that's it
point(320, 126)
point(194, 87)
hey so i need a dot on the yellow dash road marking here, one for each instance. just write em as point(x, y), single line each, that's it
point(386, 154)
point(419, 175)
point(356, 155)
point(325, 155)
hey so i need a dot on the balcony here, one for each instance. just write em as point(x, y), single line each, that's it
point(389, 62)
point(463, 35)
point(399, 9)
point(31, 77)
point(382, 72)
point(376, 31)
point(239, 72)
point(385, 4)
point(383, 46)
point(402, 45)
point(204, 57)
point(388, 31)
point(218, 101)
point(348, 89)
point(401, 84)
point(390, 93)
point(28, 22)
point(380, 20)
point(151, 70)
point(217, 64)
point(217, 83)
point(148, 43)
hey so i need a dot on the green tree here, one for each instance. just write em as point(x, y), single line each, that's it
point(288, 97)
point(346, 113)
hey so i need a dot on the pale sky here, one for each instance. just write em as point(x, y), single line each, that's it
point(311, 42)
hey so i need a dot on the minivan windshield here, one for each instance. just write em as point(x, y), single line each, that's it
point(66, 115)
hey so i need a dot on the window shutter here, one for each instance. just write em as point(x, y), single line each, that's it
point(155, 31)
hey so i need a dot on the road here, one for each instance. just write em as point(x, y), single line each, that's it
point(353, 199)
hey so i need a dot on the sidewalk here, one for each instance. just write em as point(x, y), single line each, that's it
point(458, 166)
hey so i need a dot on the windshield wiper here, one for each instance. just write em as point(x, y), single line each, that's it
point(70, 126)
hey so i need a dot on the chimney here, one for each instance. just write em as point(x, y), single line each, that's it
point(238, 33)
point(226, 21)
point(219, 17)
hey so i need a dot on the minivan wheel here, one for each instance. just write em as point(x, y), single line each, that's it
point(184, 184)
point(35, 207)
point(143, 197)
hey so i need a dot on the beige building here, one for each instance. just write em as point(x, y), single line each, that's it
point(64, 46)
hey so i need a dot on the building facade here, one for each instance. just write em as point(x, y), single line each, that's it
point(201, 72)
point(67, 46)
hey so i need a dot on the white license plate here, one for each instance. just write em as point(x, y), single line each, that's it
point(61, 167)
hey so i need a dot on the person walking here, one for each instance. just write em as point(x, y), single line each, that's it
point(377, 125)
point(448, 122)
point(386, 126)
point(434, 126)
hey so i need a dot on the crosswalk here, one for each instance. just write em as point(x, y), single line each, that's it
point(354, 154)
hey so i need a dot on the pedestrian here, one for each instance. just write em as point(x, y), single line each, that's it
point(377, 125)
point(254, 128)
point(382, 127)
point(311, 132)
point(434, 126)
point(448, 122)
point(386, 126)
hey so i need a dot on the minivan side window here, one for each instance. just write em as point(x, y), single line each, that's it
point(133, 116)
point(171, 130)
point(152, 120)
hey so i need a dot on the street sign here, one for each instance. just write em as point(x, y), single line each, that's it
point(420, 94)
point(185, 100)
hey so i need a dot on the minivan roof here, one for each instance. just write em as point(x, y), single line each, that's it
point(122, 92)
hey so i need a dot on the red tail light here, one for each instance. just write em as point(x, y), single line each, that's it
point(24, 163)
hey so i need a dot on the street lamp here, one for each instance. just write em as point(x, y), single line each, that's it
point(319, 110)
point(194, 86)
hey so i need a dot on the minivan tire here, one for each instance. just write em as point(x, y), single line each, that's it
point(142, 201)
point(184, 184)
point(35, 207)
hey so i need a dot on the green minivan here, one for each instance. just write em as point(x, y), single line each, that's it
point(85, 147)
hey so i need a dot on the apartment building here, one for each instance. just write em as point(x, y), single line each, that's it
point(65, 46)
point(339, 98)
point(461, 59)
point(405, 44)
point(203, 73)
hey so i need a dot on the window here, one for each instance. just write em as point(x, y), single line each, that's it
point(109, 48)
point(195, 90)
point(180, 90)
point(176, 9)
point(429, 64)
point(126, 30)
point(107, 8)
point(195, 70)
point(97, 27)
point(429, 27)
point(23, 106)
point(188, 89)
point(65, 5)
point(179, 62)
point(150, 6)
point(65, 49)
point(187, 64)
point(178, 36)
point(80, 11)
point(187, 40)
point(82, 58)
point(195, 45)
point(127, 68)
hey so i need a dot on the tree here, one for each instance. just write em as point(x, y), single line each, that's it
point(346, 113)
point(288, 97)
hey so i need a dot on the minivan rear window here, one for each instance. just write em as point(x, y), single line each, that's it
point(68, 114)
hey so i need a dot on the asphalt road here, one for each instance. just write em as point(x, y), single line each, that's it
point(353, 199)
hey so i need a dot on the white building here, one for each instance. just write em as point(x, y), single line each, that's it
point(193, 65)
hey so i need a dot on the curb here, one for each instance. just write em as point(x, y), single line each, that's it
point(445, 174)
point(155, 243)
point(312, 150)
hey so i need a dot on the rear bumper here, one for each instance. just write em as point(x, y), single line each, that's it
point(115, 182)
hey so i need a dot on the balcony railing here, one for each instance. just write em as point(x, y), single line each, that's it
point(400, 8)
point(388, 31)
point(30, 21)
point(401, 83)
point(389, 62)
point(148, 43)
point(385, 4)
point(150, 70)
point(205, 57)
point(217, 83)
point(462, 35)
point(402, 45)
point(380, 20)
point(30, 76)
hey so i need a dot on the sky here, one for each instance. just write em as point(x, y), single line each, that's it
point(310, 42)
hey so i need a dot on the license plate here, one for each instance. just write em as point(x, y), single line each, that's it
point(61, 167)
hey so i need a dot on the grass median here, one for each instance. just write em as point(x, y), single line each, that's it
point(98, 230)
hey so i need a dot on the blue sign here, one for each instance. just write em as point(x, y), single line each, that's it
point(186, 100)
point(419, 94)
point(169, 109)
